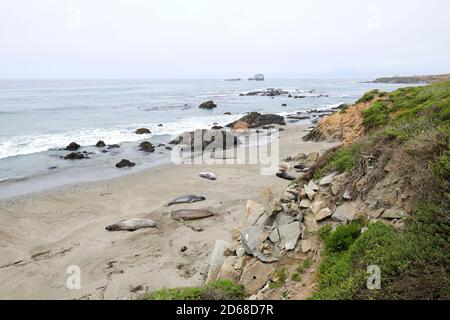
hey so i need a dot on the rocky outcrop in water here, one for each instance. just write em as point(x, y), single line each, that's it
point(143, 131)
point(125, 163)
point(208, 105)
point(147, 147)
point(73, 146)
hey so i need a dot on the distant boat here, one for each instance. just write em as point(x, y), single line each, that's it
point(257, 77)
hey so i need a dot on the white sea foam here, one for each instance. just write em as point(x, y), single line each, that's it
point(32, 143)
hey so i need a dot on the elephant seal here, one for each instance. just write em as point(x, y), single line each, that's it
point(188, 198)
point(208, 175)
point(190, 214)
point(285, 175)
point(132, 225)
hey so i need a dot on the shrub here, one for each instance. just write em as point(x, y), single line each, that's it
point(215, 290)
point(343, 237)
point(375, 116)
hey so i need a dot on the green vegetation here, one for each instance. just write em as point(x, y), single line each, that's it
point(279, 278)
point(375, 116)
point(369, 96)
point(324, 231)
point(343, 159)
point(215, 290)
point(414, 261)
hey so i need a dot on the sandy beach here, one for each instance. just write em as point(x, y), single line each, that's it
point(44, 233)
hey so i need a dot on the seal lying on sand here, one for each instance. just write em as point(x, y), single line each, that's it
point(190, 214)
point(188, 198)
point(132, 225)
point(208, 175)
point(285, 175)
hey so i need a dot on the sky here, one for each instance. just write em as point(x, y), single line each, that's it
point(223, 38)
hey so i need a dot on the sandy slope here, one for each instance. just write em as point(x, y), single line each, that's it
point(44, 233)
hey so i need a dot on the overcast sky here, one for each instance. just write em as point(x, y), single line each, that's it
point(222, 38)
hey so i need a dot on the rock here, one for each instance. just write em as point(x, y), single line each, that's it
point(228, 270)
point(287, 197)
point(255, 276)
point(289, 234)
point(227, 113)
point(306, 245)
point(284, 166)
point(338, 183)
point(310, 189)
point(294, 207)
point(160, 125)
point(394, 214)
point(125, 163)
point(302, 193)
point(274, 236)
point(100, 144)
point(167, 148)
point(251, 239)
point(142, 131)
point(208, 105)
point(74, 156)
point(347, 195)
point(255, 214)
point(113, 146)
point(284, 105)
point(201, 139)
point(305, 204)
point(240, 127)
point(317, 205)
point(256, 119)
point(217, 260)
point(285, 208)
point(73, 146)
point(283, 219)
point(323, 214)
point(146, 146)
point(345, 212)
point(216, 127)
point(311, 226)
point(240, 251)
point(183, 249)
point(327, 180)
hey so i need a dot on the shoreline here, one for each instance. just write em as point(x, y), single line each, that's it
point(124, 264)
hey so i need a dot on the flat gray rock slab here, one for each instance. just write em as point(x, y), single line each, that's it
point(289, 234)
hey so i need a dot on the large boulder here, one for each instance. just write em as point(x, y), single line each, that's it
point(256, 119)
point(201, 139)
point(143, 131)
point(125, 163)
point(217, 259)
point(73, 146)
point(74, 156)
point(255, 276)
point(100, 144)
point(146, 146)
point(208, 105)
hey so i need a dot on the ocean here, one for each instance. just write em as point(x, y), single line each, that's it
point(40, 117)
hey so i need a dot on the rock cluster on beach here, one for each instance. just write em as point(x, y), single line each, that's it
point(256, 120)
point(203, 138)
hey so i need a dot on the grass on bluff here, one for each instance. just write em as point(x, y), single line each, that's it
point(415, 261)
point(215, 290)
